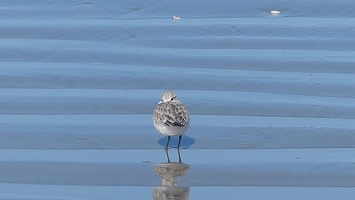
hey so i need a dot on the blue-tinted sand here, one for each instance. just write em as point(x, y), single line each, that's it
point(274, 167)
point(45, 192)
point(271, 99)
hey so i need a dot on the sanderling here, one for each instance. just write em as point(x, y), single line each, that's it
point(171, 117)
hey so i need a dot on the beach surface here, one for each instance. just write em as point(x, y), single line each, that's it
point(270, 86)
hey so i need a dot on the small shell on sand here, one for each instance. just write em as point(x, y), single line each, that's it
point(176, 18)
point(275, 12)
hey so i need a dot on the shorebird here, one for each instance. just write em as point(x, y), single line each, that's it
point(171, 117)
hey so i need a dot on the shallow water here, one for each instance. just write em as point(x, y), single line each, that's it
point(271, 98)
point(275, 167)
point(251, 174)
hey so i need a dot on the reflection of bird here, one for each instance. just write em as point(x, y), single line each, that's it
point(169, 172)
point(171, 117)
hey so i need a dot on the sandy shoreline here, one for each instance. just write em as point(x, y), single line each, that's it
point(271, 168)
point(271, 98)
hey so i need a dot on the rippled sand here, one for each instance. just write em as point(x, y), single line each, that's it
point(271, 98)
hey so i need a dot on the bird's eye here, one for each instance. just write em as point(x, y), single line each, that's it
point(172, 99)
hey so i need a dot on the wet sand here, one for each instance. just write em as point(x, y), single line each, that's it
point(271, 99)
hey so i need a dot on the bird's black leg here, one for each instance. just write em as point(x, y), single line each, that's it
point(167, 144)
point(180, 136)
point(167, 155)
point(180, 161)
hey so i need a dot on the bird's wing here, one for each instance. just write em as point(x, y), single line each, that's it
point(171, 114)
